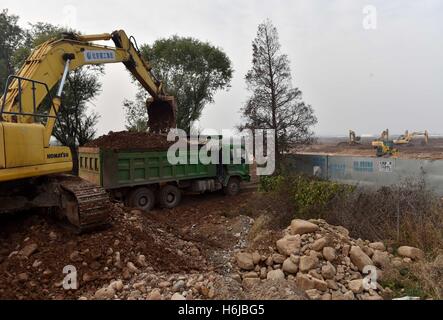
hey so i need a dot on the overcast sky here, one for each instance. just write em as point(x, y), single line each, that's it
point(354, 77)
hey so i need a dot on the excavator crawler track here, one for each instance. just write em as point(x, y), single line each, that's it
point(86, 205)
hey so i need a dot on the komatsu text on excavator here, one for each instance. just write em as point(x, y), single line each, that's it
point(32, 172)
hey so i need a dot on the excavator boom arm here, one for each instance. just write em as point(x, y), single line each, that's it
point(49, 63)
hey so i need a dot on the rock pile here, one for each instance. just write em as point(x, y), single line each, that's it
point(325, 262)
point(151, 285)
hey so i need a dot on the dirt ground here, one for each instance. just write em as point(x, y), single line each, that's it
point(415, 150)
point(196, 241)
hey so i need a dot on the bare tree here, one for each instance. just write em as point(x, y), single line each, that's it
point(274, 103)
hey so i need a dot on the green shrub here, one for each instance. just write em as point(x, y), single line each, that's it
point(307, 196)
point(271, 183)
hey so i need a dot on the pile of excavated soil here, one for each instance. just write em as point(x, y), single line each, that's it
point(125, 140)
point(34, 251)
point(186, 252)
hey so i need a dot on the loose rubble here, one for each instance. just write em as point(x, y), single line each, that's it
point(325, 262)
point(195, 251)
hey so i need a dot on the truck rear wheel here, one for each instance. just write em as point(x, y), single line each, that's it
point(232, 188)
point(142, 198)
point(170, 196)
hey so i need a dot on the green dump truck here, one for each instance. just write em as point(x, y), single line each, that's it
point(142, 179)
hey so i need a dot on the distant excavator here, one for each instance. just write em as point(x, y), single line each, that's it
point(33, 172)
point(407, 138)
point(384, 136)
point(384, 146)
point(353, 138)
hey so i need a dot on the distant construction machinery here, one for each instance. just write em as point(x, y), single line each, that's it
point(384, 146)
point(407, 138)
point(384, 136)
point(353, 138)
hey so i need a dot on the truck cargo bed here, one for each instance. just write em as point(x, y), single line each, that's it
point(116, 169)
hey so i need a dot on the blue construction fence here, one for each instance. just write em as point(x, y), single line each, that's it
point(369, 171)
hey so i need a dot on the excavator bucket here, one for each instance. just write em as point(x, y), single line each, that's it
point(162, 114)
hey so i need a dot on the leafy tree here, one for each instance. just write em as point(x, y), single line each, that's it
point(192, 71)
point(136, 114)
point(274, 103)
point(33, 37)
point(11, 36)
point(76, 124)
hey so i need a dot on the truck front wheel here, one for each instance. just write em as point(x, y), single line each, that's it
point(233, 187)
point(170, 196)
point(142, 198)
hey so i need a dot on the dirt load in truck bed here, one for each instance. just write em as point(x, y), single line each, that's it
point(125, 140)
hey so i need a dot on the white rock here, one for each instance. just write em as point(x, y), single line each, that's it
point(245, 261)
point(289, 266)
point(319, 244)
point(256, 257)
point(141, 261)
point(134, 295)
point(345, 250)
point(313, 294)
point(289, 245)
point(275, 275)
point(411, 252)
point(377, 246)
point(302, 227)
point(307, 263)
point(132, 268)
point(155, 295)
point(320, 284)
point(177, 296)
point(359, 258)
point(250, 275)
point(117, 285)
point(328, 271)
point(304, 282)
point(381, 259)
point(356, 286)
point(37, 263)
point(104, 293)
point(329, 253)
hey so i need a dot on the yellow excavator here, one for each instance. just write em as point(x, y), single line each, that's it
point(33, 173)
point(407, 138)
point(379, 142)
point(353, 138)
